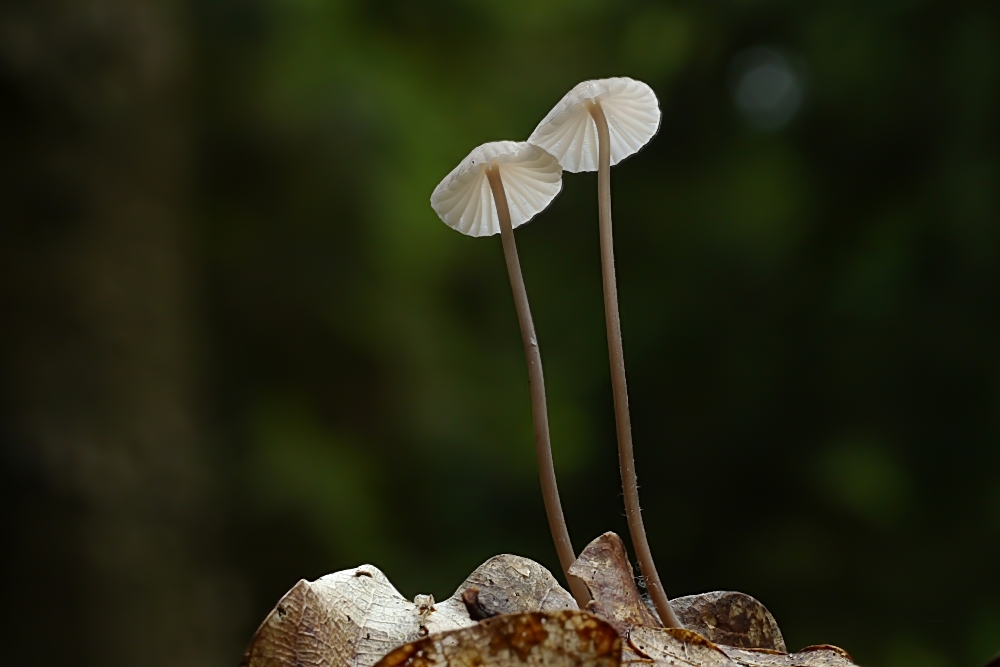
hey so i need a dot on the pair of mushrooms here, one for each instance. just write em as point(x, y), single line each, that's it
point(502, 185)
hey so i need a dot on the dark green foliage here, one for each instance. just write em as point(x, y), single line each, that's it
point(811, 314)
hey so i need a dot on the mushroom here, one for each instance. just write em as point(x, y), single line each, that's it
point(598, 124)
point(499, 186)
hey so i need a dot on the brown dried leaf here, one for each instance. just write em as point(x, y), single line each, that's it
point(811, 656)
point(730, 618)
point(511, 584)
point(666, 647)
point(723, 617)
point(354, 617)
point(346, 619)
point(605, 568)
point(675, 646)
point(567, 638)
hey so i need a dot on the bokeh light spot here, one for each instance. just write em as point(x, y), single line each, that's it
point(767, 89)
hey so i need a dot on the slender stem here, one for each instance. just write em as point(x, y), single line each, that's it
point(630, 485)
point(539, 411)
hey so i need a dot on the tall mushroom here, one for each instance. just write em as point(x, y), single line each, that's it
point(598, 124)
point(499, 186)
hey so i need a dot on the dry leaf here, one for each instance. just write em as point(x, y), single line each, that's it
point(567, 638)
point(346, 619)
point(511, 584)
point(810, 656)
point(354, 617)
point(605, 568)
point(730, 618)
point(667, 647)
point(723, 617)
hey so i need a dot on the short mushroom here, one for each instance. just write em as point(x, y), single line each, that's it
point(598, 124)
point(500, 186)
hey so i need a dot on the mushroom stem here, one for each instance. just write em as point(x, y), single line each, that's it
point(536, 380)
point(626, 461)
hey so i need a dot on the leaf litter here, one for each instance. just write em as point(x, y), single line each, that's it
point(511, 612)
point(354, 617)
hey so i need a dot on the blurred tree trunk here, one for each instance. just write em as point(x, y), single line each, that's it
point(97, 343)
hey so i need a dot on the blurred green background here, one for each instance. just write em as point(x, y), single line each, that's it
point(237, 347)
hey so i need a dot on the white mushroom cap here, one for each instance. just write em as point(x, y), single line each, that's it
point(531, 178)
point(570, 133)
